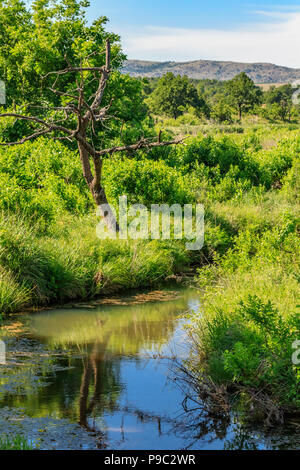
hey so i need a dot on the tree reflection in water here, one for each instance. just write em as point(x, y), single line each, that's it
point(105, 337)
point(114, 376)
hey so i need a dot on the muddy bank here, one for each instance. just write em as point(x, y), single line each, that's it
point(46, 433)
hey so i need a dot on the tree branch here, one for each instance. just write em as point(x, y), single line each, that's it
point(143, 143)
point(102, 85)
point(25, 139)
point(51, 127)
point(75, 69)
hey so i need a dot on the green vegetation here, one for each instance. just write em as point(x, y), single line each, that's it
point(237, 100)
point(69, 262)
point(40, 40)
point(279, 104)
point(173, 95)
point(241, 166)
point(243, 93)
point(251, 293)
point(17, 443)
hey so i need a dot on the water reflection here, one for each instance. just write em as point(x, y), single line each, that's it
point(115, 380)
point(119, 385)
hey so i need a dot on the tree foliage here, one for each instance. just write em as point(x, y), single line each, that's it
point(173, 94)
point(279, 105)
point(46, 37)
point(49, 36)
point(79, 111)
point(243, 93)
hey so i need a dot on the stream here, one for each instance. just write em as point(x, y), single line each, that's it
point(100, 375)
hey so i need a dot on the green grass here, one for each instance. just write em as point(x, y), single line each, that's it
point(16, 443)
point(69, 262)
point(250, 319)
point(248, 269)
point(267, 133)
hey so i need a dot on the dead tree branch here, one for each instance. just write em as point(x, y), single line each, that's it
point(143, 143)
point(87, 116)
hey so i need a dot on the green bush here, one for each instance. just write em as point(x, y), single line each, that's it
point(257, 352)
point(146, 182)
point(275, 162)
point(41, 179)
point(291, 182)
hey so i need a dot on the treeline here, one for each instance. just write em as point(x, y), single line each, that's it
point(218, 101)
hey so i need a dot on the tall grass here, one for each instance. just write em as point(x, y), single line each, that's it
point(69, 262)
point(243, 338)
point(15, 443)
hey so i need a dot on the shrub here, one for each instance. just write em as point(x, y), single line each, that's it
point(145, 182)
point(41, 179)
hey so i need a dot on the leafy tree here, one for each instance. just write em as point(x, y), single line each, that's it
point(279, 102)
point(221, 111)
point(278, 94)
point(243, 93)
point(173, 94)
point(50, 35)
point(212, 90)
point(81, 111)
point(148, 85)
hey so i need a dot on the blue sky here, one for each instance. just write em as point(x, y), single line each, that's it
point(265, 31)
point(225, 14)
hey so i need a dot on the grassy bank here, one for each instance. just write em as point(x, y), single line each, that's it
point(69, 262)
point(243, 339)
point(248, 268)
point(49, 250)
point(18, 443)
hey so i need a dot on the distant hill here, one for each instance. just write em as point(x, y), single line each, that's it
point(259, 72)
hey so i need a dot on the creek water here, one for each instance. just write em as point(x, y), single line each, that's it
point(110, 367)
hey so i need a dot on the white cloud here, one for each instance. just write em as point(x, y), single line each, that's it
point(276, 41)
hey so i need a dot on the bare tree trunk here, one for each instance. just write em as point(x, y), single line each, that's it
point(85, 162)
point(96, 188)
point(104, 208)
point(240, 112)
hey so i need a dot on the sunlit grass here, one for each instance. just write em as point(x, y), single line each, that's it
point(15, 443)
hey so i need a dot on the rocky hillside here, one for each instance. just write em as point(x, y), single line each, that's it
point(259, 72)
